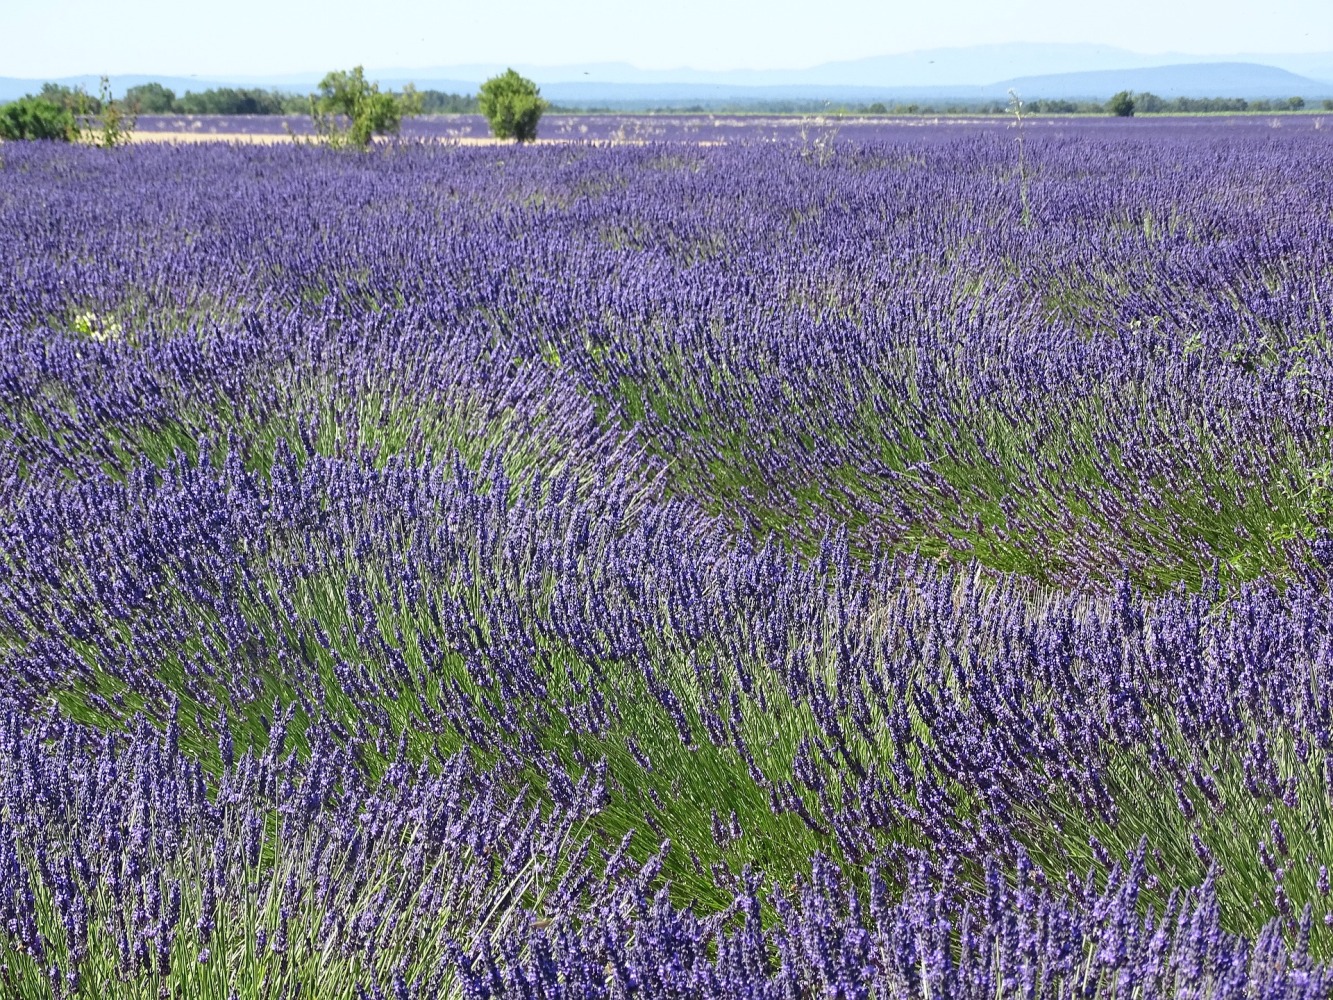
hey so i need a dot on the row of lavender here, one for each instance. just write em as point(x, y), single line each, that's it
point(1059, 370)
point(937, 733)
point(596, 571)
point(713, 128)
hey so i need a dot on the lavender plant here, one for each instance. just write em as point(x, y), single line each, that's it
point(1016, 107)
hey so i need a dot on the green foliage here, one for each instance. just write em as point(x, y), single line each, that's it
point(63, 113)
point(151, 99)
point(36, 118)
point(1149, 103)
point(349, 110)
point(1051, 106)
point(98, 329)
point(238, 101)
point(70, 98)
point(1121, 105)
point(104, 122)
point(1192, 105)
point(513, 105)
point(437, 102)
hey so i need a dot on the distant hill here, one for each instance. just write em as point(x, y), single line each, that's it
point(1203, 80)
point(1247, 80)
point(972, 66)
point(976, 73)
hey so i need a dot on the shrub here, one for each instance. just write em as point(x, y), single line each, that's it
point(75, 99)
point(513, 105)
point(350, 111)
point(36, 118)
point(104, 121)
point(1121, 105)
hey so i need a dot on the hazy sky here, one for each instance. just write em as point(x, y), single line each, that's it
point(46, 38)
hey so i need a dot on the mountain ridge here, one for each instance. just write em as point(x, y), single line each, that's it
point(979, 65)
point(965, 73)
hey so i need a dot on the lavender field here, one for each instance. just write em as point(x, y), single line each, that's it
point(893, 564)
point(708, 128)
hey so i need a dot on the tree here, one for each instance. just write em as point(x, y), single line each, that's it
point(1121, 105)
point(1149, 103)
point(1295, 103)
point(104, 121)
point(350, 111)
point(238, 101)
point(436, 102)
point(513, 105)
point(150, 99)
point(70, 98)
point(36, 118)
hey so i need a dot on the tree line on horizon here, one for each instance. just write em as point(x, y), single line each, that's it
point(348, 111)
point(1145, 103)
point(154, 99)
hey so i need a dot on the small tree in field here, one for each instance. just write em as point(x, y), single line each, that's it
point(104, 121)
point(513, 105)
point(349, 110)
point(1121, 105)
point(68, 115)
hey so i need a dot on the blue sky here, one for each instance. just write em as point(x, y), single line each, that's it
point(48, 38)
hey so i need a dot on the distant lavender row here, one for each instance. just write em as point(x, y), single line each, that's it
point(732, 128)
